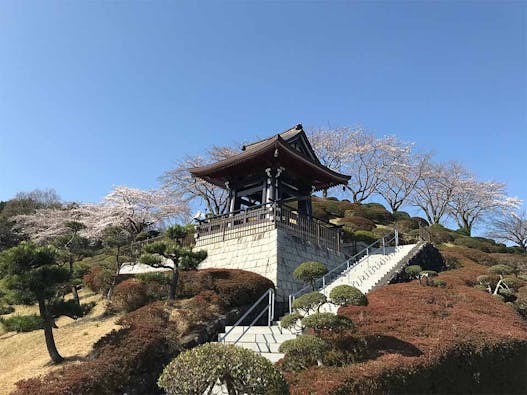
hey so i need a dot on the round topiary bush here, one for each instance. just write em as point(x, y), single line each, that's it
point(241, 371)
point(513, 283)
point(327, 321)
point(303, 352)
point(309, 302)
point(291, 321)
point(481, 287)
point(344, 295)
point(129, 295)
point(309, 271)
point(413, 271)
point(501, 269)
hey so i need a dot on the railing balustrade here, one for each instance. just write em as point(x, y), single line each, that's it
point(260, 218)
point(269, 308)
point(321, 282)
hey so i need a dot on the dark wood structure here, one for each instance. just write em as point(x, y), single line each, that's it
point(280, 168)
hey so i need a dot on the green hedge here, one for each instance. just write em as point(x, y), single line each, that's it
point(22, 323)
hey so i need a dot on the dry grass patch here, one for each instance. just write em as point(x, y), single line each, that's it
point(24, 355)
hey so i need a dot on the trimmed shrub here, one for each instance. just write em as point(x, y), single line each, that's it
point(427, 274)
point(291, 321)
point(364, 236)
point(508, 296)
point(451, 262)
point(330, 208)
point(303, 352)
point(373, 211)
point(309, 302)
point(22, 323)
point(413, 271)
point(6, 309)
point(513, 283)
point(501, 269)
point(481, 244)
point(242, 371)
point(439, 283)
point(327, 321)
point(236, 287)
point(309, 271)
point(129, 295)
point(357, 223)
point(98, 279)
point(344, 295)
point(440, 234)
point(400, 215)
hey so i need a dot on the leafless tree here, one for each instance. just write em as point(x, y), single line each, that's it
point(399, 183)
point(473, 200)
point(358, 153)
point(510, 226)
point(178, 180)
point(434, 189)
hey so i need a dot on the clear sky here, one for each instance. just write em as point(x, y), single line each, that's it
point(95, 94)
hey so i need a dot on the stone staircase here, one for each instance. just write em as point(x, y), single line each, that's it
point(372, 271)
point(265, 340)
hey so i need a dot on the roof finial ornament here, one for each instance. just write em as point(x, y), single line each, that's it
point(298, 127)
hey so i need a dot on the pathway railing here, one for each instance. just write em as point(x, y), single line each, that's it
point(381, 245)
point(269, 309)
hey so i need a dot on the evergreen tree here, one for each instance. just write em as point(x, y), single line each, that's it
point(30, 274)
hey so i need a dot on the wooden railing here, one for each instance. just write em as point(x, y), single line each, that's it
point(261, 218)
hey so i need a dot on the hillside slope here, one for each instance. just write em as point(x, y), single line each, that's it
point(428, 339)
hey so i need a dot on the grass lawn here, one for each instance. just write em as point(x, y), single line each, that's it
point(24, 355)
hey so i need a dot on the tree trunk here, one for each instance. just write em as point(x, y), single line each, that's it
point(173, 284)
point(117, 270)
point(48, 333)
point(75, 295)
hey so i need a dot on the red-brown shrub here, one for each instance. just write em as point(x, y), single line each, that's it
point(98, 279)
point(235, 287)
point(130, 360)
point(453, 339)
point(129, 295)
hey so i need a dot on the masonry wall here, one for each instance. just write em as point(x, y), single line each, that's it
point(272, 253)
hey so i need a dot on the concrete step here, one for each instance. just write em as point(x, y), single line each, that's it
point(259, 337)
point(273, 329)
point(274, 357)
point(259, 347)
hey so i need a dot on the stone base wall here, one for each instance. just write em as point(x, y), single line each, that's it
point(255, 253)
point(292, 251)
point(272, 253)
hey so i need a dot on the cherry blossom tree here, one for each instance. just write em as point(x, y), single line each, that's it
point(433, 191)
point(511, 226)
point(366, 158)
point(181, 182)
point(132, 209)
point(47, 224)
point(472, 200)
point(399, 183)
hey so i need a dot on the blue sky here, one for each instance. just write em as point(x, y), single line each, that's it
point(95, 94)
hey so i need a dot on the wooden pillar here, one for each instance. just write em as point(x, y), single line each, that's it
point(232, 200)
point(309, 207)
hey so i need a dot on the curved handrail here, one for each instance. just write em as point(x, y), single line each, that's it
point(269, 308)
point(346, 265)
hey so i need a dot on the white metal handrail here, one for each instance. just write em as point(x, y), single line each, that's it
point(348, 264)
point(269, 308)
